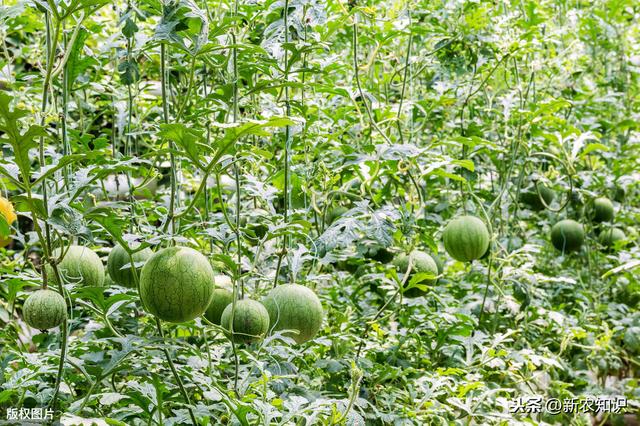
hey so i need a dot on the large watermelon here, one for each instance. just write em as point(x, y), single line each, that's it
point(44, 309)
point(466, 238)
point(80, 265)
point(250, 320)
point(294, 307)
point(118, 258)
point(567, 235)
point(176, 284)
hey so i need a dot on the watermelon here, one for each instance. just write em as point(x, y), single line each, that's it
point(118, 258)
point(250, 321)
point(534, 200)
point(222, 297)
point(439, 263)
point(108, 282)
point(80, 266)
point(379, 254)
point(602, 210)
point(44, 309)
point(466, 238)
point(421, 262)
point(176, 284)
point(609, 237)
point(567, 235)
point(619, 193)
point(294, 307)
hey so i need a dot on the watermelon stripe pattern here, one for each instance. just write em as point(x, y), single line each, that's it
point(466, 238)
point(567, 236)
point(176, 284)
point(80, 266)
point(44, 309)
point(297, 308)
point(118, 258)
point(250, 321)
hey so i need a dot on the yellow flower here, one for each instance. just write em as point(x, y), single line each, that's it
point(6, 209)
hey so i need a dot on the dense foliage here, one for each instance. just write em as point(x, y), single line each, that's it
point(305, 153)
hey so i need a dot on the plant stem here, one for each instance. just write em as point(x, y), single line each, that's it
point(185, 395)
point(51, 44)
point(287, 136)
point(383, 308)
point(238, 281)
point(172, 159)
point(404, 82)
point(356, 75)
point(65, 113)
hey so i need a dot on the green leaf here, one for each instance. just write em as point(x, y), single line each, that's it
point(35, 204)
point(190, 140)
point(20, 142)
point(467, 164)
point(235, 131)
point(108, 218)
point(420, 277)
point(50, 170)
point(5, 229)
point(75, 64)
point(68, 221)
point(130, 28)
point(129, 72)
point(622, 268)
point(183, 20)
point(594, 147)
point(446, 174)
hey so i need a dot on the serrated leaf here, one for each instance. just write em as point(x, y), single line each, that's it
point(130, 28)
point(184, 25)
point(20, 142)
point(190, 140)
